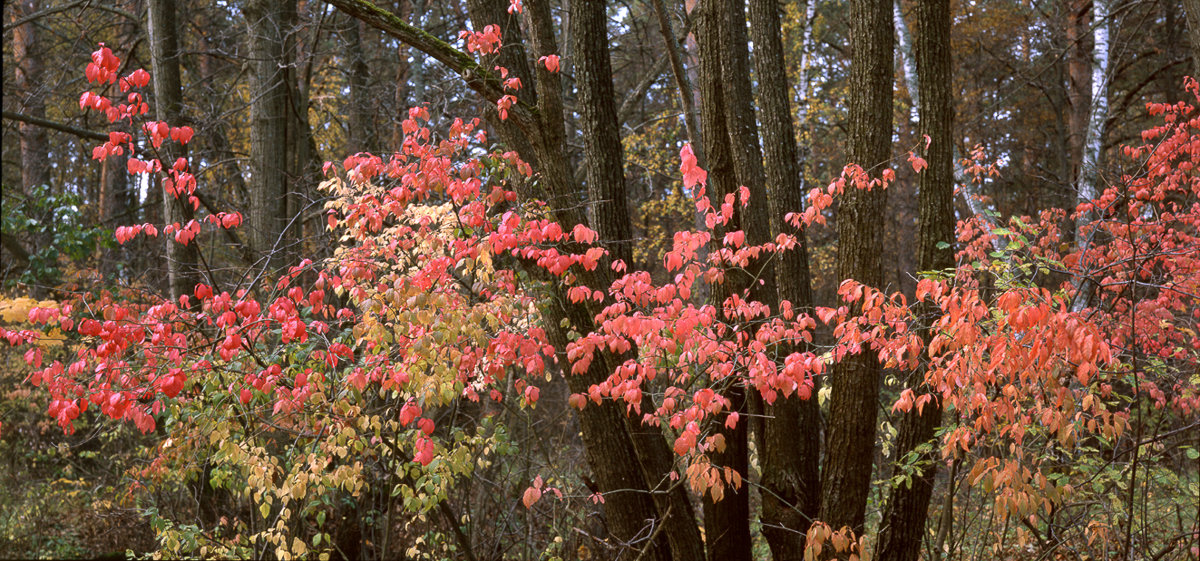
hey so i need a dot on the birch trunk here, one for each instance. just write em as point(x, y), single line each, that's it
point(1093, 144)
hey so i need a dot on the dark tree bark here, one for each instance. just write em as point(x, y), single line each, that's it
point(726, 523)
point(306, 234)
point(850, 439)
point(1192, 7)
point(610, 217)
point(789, 441)
point(907, 507)
point(743, 137)
point(182, 260)
point(359, 124)
point(608, 211)
point(267, 22)
point(1079, 81)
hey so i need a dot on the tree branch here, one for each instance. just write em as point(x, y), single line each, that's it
point(477, 77)
point(42, 13)
point(56, 9)
point(13, 246)
point(40, 122)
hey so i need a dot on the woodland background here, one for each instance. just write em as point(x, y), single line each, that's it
point(1046, 93)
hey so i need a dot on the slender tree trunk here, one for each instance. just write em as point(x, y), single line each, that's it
point(850, 439)
point(804, 87)
point(359, 124)
point(789, 439)
point(182, 260)
point(743, 137)
point(268, 131)
point(1078, 82)
point(610, 217)
point(405, 72)
point(682, 82)
point(1093, 144)
point(907, 507)
point(305, 231)
point(624, 458)
point(907, 60)
point(35, 168)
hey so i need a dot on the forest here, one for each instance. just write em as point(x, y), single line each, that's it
point(635, 280)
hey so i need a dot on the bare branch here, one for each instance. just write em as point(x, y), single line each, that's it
point(53, 125)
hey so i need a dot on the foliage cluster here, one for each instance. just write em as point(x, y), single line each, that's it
point(366, 398)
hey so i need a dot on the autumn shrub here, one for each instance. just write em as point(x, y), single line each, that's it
point(399, 394)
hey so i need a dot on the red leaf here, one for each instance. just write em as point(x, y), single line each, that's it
point(531, 496)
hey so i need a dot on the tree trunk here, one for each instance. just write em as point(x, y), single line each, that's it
point(608, 211)
point(850, 439)
point(726, 523)
point(1192, 7)
point(35, 167)
point(268, 132)
point(789, 439)
point(405, 72)
point(907, 507)
point(966, 187)
point(182, 260)
point(743, 137)
point(682, 82)
point(1093, 144)
point(359, 124)
point(1078, 82)
point(610, 217)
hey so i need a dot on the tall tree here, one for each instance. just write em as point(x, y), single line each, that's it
point(789, 436)
point(967, 188)
point(359, 125)
point(726, 523)
point(27, 73)
point(269, 25)
point(850, 438)
point(609, 216)
point(907, 507)
point(1078, 84)
point(182, 260)
point(682, 82)
point(1192, 7)
point(1093, 144)
point(602, 152)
